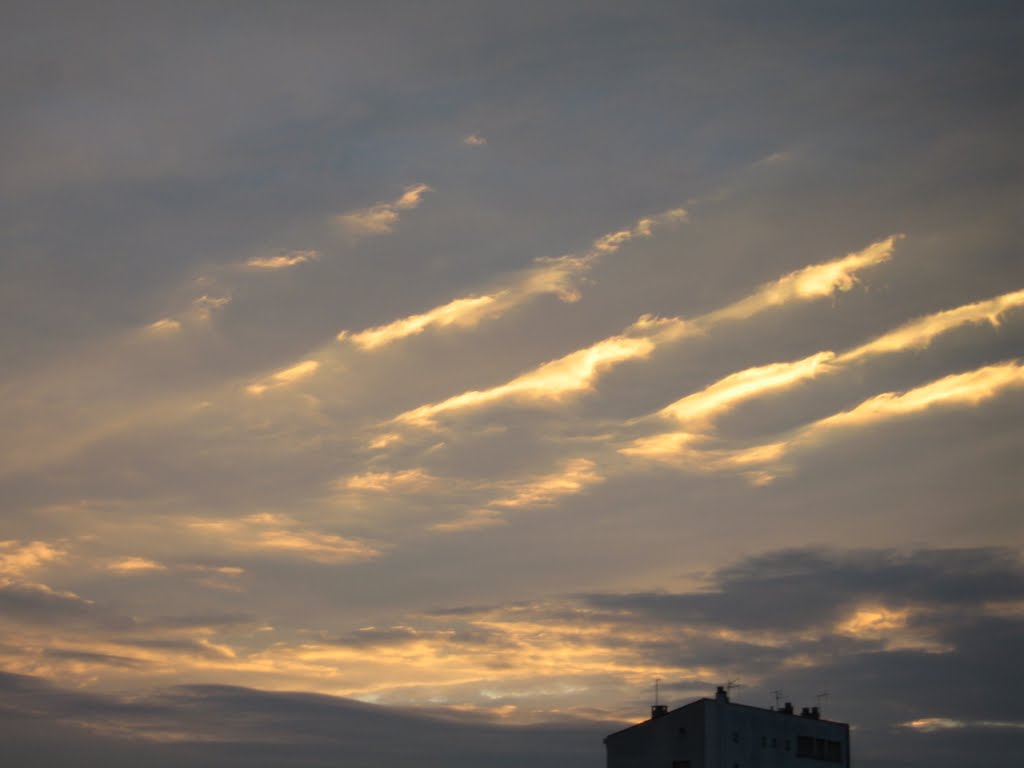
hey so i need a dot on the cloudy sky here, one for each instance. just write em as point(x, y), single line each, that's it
point(457, 369)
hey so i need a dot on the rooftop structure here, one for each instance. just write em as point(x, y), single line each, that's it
point(719, 733)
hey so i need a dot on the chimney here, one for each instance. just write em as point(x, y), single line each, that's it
point(788, 709)
point(721, 695)
point(805, 712)
point(815, 713)
point(659, 710)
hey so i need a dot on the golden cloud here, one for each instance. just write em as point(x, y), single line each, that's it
point(380, 218)
point(282, 260)
point(284, 377)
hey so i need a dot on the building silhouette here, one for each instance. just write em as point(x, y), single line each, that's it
point(719, 733)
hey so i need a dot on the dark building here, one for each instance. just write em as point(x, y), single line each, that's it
point(718, 733)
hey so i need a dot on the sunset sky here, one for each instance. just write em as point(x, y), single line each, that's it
point(457, 369)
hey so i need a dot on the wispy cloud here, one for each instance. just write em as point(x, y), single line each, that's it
point(282, 260)
point(279, 533)
point(697, 412)
point(474, 140)
point(761, 462)
point(135, 565)
point(380, 218)
point(813, 282)
point(919, 333)
point(702, 407)
point(17, 559)
point(465, 312)
point(284, 377)
point(390, 482)
point(578, 371)
point(552, 381)
point(551, 276)
point(970, 388)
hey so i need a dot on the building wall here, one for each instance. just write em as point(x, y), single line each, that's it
point(720, 734)
point(750, 737)
point(673, 739)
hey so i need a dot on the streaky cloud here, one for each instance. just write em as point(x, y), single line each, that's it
point(553, 276)
point(380, 218)
point(282, 260)
point(551, 382)
point(919, 333)
point(578, 371)
point(284, 377)
point(814, 282)
point(265, 532)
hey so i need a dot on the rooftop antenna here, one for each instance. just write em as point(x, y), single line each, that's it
point(730, 684)
point(658, 709)
point(777, 693)
point(820, 697)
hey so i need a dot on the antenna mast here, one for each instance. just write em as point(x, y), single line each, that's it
point(820, 697)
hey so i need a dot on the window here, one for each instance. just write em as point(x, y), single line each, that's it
point(820, 749)
point(680, 764)
point(682, 731)
point(735, 737)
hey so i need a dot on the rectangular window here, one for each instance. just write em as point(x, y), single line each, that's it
point(805, 746)
point(819, 749)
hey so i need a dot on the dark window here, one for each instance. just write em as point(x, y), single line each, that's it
point(805, 747)
point(682, 731)
point(820, 749)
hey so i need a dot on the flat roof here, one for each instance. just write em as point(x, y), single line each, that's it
point(731, 704)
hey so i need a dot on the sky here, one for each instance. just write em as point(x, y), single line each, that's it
point(458, 369)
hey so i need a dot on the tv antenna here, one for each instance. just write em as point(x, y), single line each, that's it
point(820, 697)
point(730, 684)
point(657, 684)
point(777, 693)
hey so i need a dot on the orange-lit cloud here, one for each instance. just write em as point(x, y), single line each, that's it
point(135, 565)
point(959, 389)
point(814, 282)
point(572, 478)
point(380, 218)
point(465, 312)
point(578, 371)
point(550, 382)
point(701, 407)
point(535, 492)
point(919, 333)
point(555, 276)
point(284, 377)
point(279, 533)
point(474, 140)
point(17, 559)
point(929, 724)
point(388, 482)
point(282, 260)
point(964, 389)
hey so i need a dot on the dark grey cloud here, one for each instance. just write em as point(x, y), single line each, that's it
point(793, 589)
point(222, 725)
